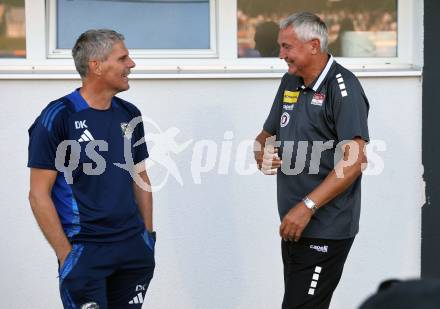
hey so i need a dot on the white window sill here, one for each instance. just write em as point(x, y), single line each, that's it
point(198, 72)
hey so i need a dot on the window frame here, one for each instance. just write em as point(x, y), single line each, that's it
point(57, 53)
point(405, 25)
point(223, 63)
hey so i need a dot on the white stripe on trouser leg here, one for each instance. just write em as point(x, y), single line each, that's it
point(138, 299)
point(141, 299)
point(134, 301)
point(315, 279)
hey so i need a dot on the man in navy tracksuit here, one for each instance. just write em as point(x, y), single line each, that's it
point(95, 216)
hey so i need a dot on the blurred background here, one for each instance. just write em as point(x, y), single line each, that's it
point(362, 28)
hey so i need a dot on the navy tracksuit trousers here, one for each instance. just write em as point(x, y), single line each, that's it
point(108, 275)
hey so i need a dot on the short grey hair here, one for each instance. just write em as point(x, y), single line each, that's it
point(307, 26)
point(93, 44)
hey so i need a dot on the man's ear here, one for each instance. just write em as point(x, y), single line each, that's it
point(95, 67)
point(315, 46)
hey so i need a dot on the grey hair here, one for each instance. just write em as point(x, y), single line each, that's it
point(93, 44)
point(307, 26)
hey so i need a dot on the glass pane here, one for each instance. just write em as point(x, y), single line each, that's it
point(146, 24)
point(12, 29)
point(357, 28)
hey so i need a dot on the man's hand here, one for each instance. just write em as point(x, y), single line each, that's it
point(270, 161)
point(63, 255)
point(295, 221)
point(265, 153)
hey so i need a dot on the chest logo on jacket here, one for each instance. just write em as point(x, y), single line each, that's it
point(290, 97)
point(318, 99)
point(126, 129)
point(285, 117)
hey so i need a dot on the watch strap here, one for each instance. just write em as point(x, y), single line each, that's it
point(310, 204)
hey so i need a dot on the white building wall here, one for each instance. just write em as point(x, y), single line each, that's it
point(218, 245)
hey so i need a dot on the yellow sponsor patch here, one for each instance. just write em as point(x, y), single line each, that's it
point(290, 96)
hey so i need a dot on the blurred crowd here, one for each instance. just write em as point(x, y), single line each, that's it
point(337, 22)
point(12, 30)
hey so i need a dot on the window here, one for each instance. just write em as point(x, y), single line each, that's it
point(207, 38)
point(357, 29)
point(158, 27)
point(12, 29)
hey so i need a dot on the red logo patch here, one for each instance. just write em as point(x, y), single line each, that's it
point(318, 99)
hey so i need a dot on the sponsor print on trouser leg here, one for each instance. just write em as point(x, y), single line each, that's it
point(126, 288)
point(312, 270)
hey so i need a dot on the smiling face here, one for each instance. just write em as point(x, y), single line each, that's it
point(114, 71)
point(297, 54)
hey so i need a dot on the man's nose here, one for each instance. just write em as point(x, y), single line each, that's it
point(131, 63)
point(281, 54)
